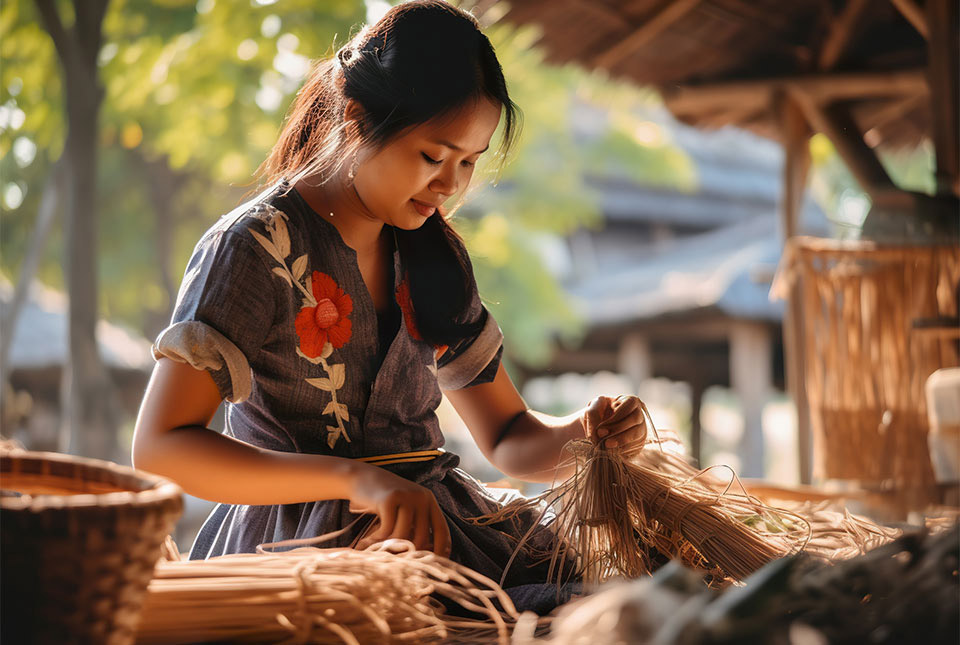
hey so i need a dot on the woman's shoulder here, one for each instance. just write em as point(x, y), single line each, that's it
point(254, 215)
point(261, 223)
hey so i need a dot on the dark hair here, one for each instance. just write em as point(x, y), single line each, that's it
point(391, 68)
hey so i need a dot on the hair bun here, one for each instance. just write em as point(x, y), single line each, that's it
point(347, 54)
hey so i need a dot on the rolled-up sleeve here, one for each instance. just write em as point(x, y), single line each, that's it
point(224, 311)
point(473, 360)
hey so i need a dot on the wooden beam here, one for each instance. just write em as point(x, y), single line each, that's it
point(606, 11)
point(822, 88)
point(669, 12)
point(842, 31)
point(838, 125)
point(914, 15)
point(880, 115)
point(943, 49)
point(795, 134)
point(730, 116)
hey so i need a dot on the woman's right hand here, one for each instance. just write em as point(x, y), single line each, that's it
point(406, 510)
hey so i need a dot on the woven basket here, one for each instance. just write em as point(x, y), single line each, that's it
point(80, 539)
point(865, 367)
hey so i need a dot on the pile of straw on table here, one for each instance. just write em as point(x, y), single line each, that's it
point(336, 595)
point(622, 514)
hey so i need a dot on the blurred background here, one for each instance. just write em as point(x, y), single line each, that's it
point(621, 251)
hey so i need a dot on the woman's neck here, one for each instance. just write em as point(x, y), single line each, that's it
point(341, 206)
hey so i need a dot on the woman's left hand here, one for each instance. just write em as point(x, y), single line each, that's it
point(614, 422)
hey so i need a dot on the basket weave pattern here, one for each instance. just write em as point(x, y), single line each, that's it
point(865, 368)
point(80, 539)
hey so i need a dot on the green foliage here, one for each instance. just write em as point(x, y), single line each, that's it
point(194, 96)
point(544, 190)
point(839, 193)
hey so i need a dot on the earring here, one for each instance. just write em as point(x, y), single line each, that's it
point(353, 167)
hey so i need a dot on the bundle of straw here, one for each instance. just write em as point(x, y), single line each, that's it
point(382, 594)
point(626, 509)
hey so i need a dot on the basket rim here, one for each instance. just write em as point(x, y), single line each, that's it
point(157, 490)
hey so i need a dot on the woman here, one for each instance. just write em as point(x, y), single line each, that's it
point(333, 309)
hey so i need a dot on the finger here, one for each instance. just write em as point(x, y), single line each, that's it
point(388, 517)
point(364, 539)
point(421, 532)
point(404, 525)
point(630, 435)
point(614, 428)
point(593, 414)
point(622, 413)
point(441, 532)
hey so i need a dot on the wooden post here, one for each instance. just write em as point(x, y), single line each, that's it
point(796, 137)
point(751, 368)
point(943, 48)
point(634, 359)
point(696, 429)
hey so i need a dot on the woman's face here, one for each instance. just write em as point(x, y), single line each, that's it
point(403, 183)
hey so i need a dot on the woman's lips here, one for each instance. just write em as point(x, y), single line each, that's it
point(422, 208)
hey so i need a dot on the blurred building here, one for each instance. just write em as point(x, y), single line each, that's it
point(675, 284)
point(38, 353)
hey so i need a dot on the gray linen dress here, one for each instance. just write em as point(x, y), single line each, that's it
point(273, 305)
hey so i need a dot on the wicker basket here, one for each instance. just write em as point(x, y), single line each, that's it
point(865, 368)
point(80, 539)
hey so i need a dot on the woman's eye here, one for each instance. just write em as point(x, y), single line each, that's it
point(468, 163)
point(431, 161)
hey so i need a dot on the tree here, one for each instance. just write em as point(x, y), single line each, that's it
point(194, 97)
point(89, 414)
point(165, 163)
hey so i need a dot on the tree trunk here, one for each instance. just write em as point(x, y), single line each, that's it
point(90, 419)
point(50, 203)
point(164, 186)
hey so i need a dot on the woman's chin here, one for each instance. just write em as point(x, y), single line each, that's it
point(409, 223)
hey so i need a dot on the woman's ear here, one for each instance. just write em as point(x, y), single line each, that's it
point(354, 112)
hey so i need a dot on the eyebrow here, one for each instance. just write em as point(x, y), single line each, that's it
point(458, 148)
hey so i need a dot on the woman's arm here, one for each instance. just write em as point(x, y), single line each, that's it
point(171, 439)
point(522, 443)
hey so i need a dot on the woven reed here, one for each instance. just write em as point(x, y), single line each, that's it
point(865, 368)
point(80, 541)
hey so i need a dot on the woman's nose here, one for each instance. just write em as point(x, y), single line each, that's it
point(445, 184)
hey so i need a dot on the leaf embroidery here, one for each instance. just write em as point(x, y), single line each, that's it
point(299, 266)
point(323, 323)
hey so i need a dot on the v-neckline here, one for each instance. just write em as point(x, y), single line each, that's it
point(355, 267)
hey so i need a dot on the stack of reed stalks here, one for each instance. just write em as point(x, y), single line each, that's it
point(386, 593)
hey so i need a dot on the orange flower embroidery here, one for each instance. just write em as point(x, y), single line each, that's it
point(328, 320)
point(406, 306)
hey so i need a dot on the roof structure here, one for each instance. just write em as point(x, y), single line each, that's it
point(728, 270)
point(886, 69)
point(725, 268)
point(40, 336)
